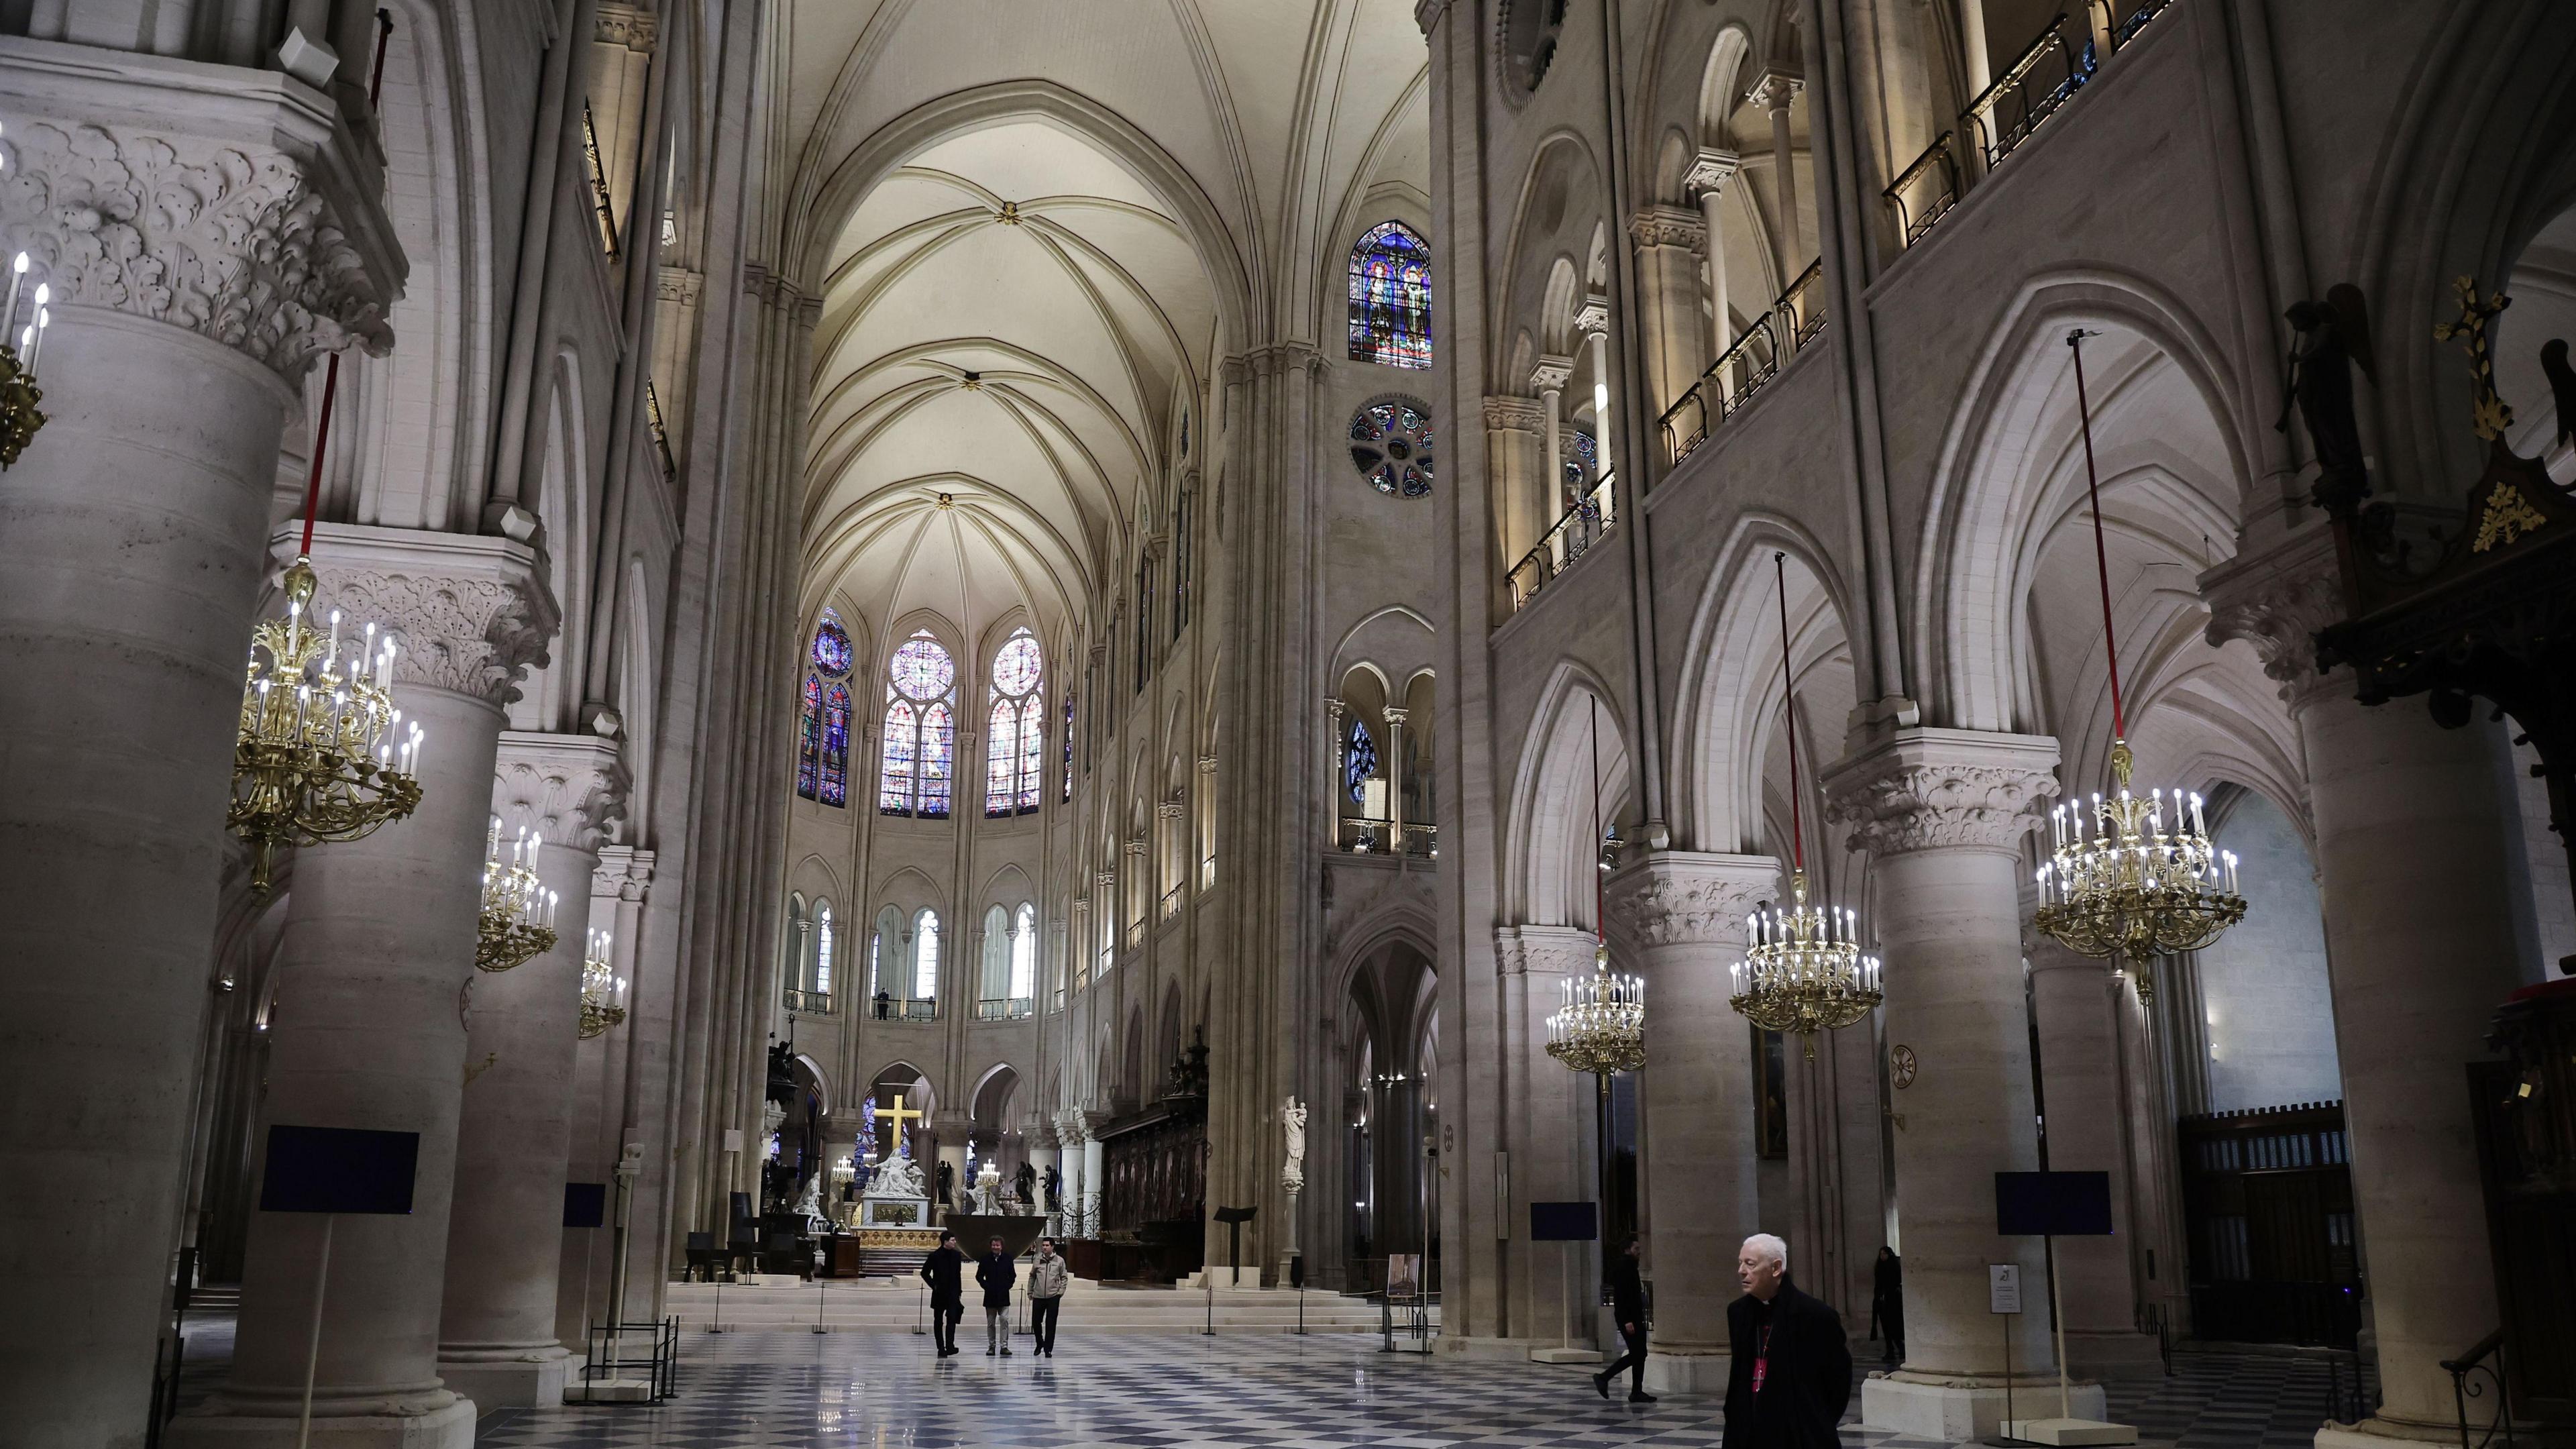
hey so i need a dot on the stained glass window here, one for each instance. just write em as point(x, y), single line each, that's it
point(836, 745)
point(823, 735)
point(1582, 465)
point(1018, 728)
point(809, 741)
point(920, 730)
point(1391, 446)
point(823, 951)
point(1391, 298)
point(1359, 761)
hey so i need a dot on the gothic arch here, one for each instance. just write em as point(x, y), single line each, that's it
point(1549, 848)
point(1563, 179)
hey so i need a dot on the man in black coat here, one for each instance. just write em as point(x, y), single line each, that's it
point(1792, 1369)
point(947, 1296)
point(1628, 1308)
point(995, 1273)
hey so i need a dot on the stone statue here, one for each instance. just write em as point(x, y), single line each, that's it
point(947, 1185)
point(1054, 1188)
point(897, 1176)
point(2334, 338)
point(810, 1205)
point(1026, 1183)
point(1292, 1173)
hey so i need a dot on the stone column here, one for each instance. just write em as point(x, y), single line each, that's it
point(368, 1029)
point(600, 1075)
point(1682, 914)
point(2412, 874)
point(1775, 92)
point(135, 524)
point(1593, 321)
point(2076, 1003)
point(1549, 377)
point(498, 1340)
point(1668, 239)
point(1555, 1290)
point(1707, 182)
point(1395, 779)
point(1513, 428)
point(1942, 814)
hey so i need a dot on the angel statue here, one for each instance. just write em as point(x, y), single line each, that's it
point(1292, 1173)
point(2334, 338)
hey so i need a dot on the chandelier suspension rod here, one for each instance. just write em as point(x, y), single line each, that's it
point(1789, 706)
point(2101, 559)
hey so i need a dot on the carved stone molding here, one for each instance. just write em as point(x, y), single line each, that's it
point(1773, 90)
point(1668, 226)
point(1683, 898)
point(1937, 789)
point(569, 789)
point(1592, 319)
point(680, 285)
point(625, 25)
point(624, 872)
point(229, 240)
point(2277, 600)
point(1427, 13)
point(1544, 950)
point(1551, 375)
point(1505, 413)
point(1710, 171)
point(473, 614)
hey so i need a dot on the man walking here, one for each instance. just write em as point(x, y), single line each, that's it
point(995, 1273)
point(1046, 1295)
point(1887, 1304)
point(947, 1298)
point(1628, 1309)
point(1792, 1369)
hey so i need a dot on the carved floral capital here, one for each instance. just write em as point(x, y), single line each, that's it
point(1668, 226)
point(1504, 413)
point(473, 614)
point(1936, 789)
point(2277, 601)
point(569, 789)
point(1680, 898)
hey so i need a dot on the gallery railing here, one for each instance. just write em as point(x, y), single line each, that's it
point(1172, 901)
point(1572, 537)
point(812, 1003)
point(1791, 322)
point(903, 1008)
point(2057, 63)
point(1005, 1008)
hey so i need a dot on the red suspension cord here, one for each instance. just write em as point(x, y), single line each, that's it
point(1789, 703)
point(1600, 887)
point(2101, 560)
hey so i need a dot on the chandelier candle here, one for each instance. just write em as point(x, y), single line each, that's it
point(517, 924)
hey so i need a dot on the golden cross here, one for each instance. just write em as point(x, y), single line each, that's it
point(898, 1116)
point(2488, 412)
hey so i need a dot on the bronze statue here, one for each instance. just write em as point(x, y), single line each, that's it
point(2334, 338)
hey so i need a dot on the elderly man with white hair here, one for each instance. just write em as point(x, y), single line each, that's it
point(1791, 1374)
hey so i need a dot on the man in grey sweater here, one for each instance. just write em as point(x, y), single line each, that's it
point(1046, 1295)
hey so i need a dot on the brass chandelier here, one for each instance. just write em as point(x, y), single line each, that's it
point(1600, 1027)
point(19, 415)
point(1804, 970)
point(601, 987)
point(517, 924)
point(2130, 879)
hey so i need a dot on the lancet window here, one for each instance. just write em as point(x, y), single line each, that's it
point(1015, 745)
point(1359, 761)
point(919, 767)
point(1391, 297)
point(823, 728)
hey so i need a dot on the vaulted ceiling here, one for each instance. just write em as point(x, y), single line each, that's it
point(1018, 303)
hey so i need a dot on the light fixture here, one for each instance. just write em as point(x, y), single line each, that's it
point(1601, 1025)
point(518, 918)
point(2130, 879)
point(321, 754)
point(1803, 970)
point(19, 417)
point(601, 989)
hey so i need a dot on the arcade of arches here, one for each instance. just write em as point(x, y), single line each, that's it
point(1052, 583)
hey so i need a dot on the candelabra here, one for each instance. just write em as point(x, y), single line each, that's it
point(321, 753)
point(518, 921)
point(1601, 1027)
point(19, 349)
point(2140, 879)
point(1804, 971)
point(2128, 887)
point(601, 988)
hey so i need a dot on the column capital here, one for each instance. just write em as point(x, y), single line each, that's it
point(1207, 764)
point(2276, 599)
point(1544, 950)
point(1710, 171)
point(1395, 714)
point(1668, 226)
point(1552, 373)
point(473, 613)
point(1939, 789)
point(1773, 90)
point(626, 25)
point(569, 789)
point(1688, 898)
point(624, 872)
point(1427, 13)
point(1505, 413)
point(1592, 319)
point(231, 203)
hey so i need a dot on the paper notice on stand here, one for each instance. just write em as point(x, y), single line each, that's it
point(2003, 1288)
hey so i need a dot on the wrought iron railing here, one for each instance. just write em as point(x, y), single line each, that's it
point(1794, 319)
point(1172, 901)
point(1571, 538)
point(1207, 873)
point(2485, 1357)
point(1421, 839)
point(812, 1003)
point(1924, 192)
point(1135, 933)
point(2045, 76)
point(2049, 71)
point(904, 1008)
point(598, 182)
point(1007, 1008)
